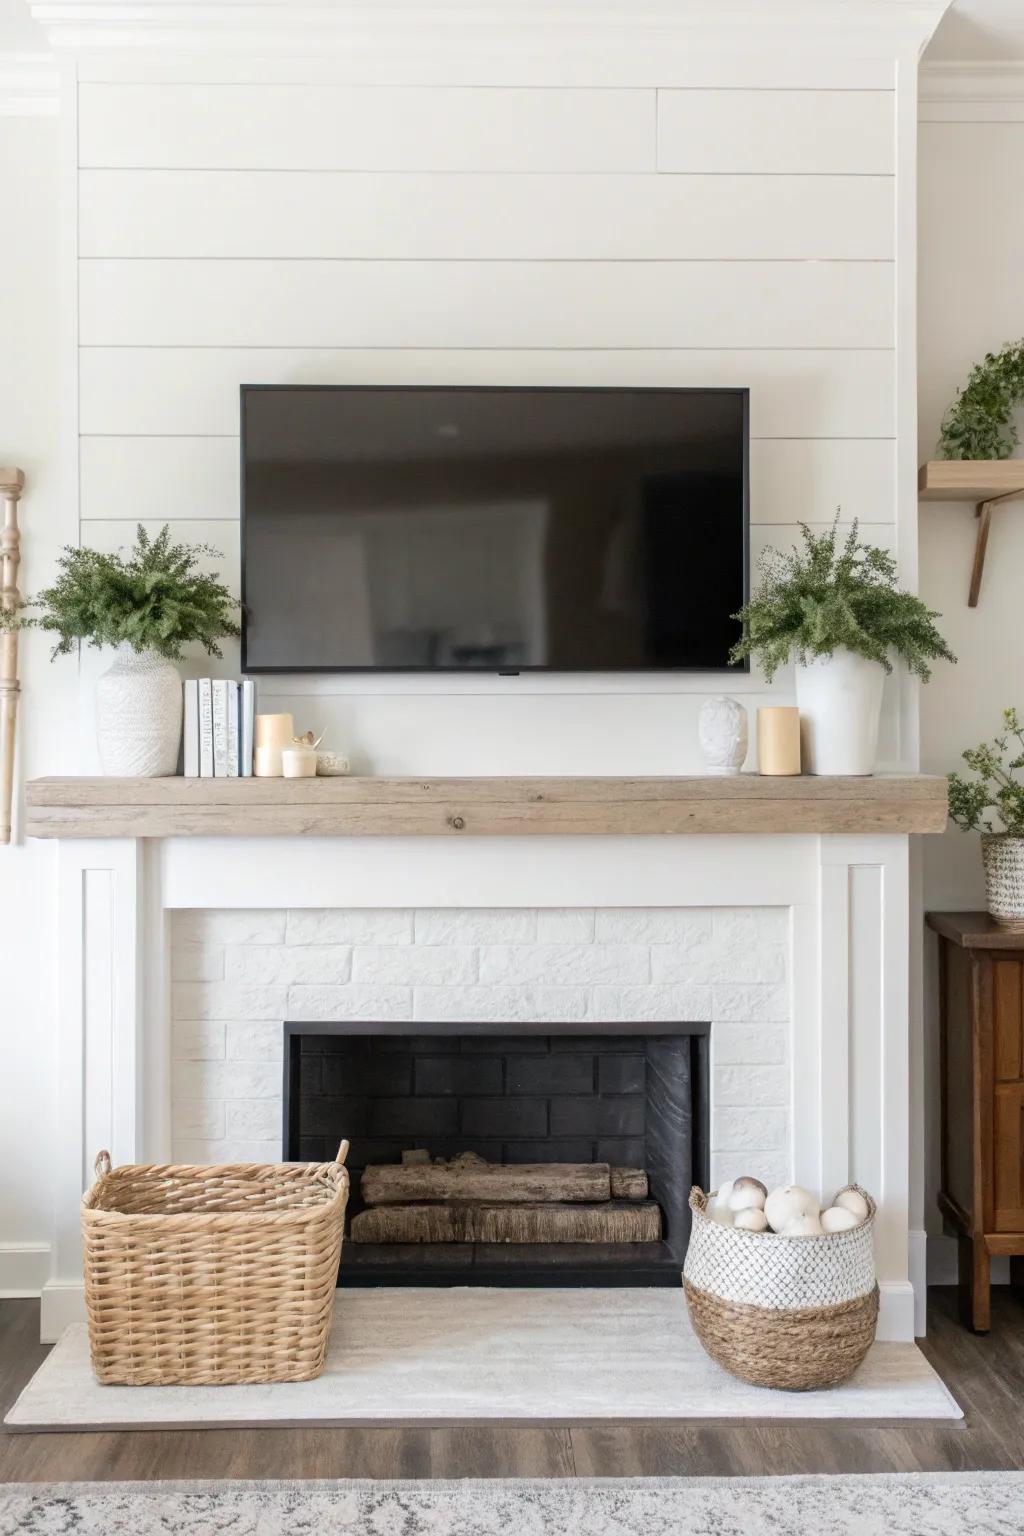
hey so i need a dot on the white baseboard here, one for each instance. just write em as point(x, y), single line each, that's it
point(62, 1303)
point(896, 1312)
point(24, 1268)
point(917, 1257)
point(943, 1262)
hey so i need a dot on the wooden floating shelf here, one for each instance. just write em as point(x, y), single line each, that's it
point(482, 807)
point(989, 483)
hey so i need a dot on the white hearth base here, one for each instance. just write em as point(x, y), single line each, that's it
point(847, 898)
point(436, 1357)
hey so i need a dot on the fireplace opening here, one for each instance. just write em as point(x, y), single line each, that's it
point(621, 1108)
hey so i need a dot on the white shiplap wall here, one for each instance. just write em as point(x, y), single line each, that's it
point(305, 231)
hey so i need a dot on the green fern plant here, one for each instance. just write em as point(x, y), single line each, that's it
point(826, 597)
point(979, 424)
point(154, 598)
point(995, 790)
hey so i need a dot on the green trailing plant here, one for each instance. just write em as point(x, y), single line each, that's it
point(828, 596)
point(154, 598)
point(979, 424)
point(995, 792)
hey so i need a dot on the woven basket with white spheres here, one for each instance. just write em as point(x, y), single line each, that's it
point(794, 1312)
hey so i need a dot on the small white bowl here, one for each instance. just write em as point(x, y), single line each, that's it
point(331, 765)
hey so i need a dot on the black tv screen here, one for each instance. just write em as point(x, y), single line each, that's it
point(492, 530)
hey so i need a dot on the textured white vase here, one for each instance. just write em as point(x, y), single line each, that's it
point(138, 715)
point(722, 731)
point(1003, 858)
point(840, 703)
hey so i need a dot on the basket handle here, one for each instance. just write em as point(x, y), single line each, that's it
point(102, 1165)
point(342, 1153)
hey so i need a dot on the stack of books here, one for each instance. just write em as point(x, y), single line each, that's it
point(218, 738)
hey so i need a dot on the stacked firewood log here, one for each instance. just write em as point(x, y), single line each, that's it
point(469, 1200)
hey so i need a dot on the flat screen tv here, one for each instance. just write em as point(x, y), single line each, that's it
point(492, 529)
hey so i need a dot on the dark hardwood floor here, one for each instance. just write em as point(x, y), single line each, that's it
point(985, 1373)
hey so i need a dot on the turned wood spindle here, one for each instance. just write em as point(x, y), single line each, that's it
point(12, 482)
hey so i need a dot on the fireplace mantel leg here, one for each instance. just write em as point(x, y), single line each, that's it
point(99, 1070)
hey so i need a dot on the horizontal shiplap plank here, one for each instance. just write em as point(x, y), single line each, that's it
point(486, 304)
point(182, 390)
point(677, 62)
point(175, 477)
point(777, 131)
point(331, 213)
point(311, 127)
point(809, 480)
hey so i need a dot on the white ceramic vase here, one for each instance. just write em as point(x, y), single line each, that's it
point(138, 715)
point(840, 702)
point(1003, 858)
point(722, 731)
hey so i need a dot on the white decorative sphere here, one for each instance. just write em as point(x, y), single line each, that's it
point(852, 1200)
point(747, 1195)
point(807, 1225)
point(838, 1219)
point(751, 1220)
point(722, 732)
point(783, 1206)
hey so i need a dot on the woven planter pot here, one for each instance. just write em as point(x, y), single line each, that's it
point(1003, 858)
point(792, 1312)
point(211, 1275)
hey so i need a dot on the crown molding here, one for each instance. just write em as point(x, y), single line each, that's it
point(433, 31)
point(29, 85)
point(971, 91)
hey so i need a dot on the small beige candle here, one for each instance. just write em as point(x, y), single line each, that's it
point(272, 734)
point(778, 740)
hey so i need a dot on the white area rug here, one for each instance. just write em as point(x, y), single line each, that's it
point(455, 1356)
point(948, 1504)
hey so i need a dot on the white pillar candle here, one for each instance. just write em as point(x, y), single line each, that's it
point(778, 740)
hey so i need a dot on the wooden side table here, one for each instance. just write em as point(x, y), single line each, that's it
point(981, 1023)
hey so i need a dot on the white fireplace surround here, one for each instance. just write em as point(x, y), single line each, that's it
point(237, 975)
point(176, 953)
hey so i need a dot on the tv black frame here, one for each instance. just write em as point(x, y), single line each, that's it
point(742, 392)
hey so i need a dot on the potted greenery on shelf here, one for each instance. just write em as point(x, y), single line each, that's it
point(993, 804)
point(147, 604)
point(839, 612)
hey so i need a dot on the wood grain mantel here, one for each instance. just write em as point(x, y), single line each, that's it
point(482, 807)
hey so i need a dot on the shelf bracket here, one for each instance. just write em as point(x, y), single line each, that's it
point(983, 512)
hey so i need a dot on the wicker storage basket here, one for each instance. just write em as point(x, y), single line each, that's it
point(209, 1275)
point(794, 1312)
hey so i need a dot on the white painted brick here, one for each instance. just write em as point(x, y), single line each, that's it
point(227, 1000)
point(746, 1087)
point(287, 963)
point(351, 1002)
point(256, 926)
point(411, 965)
point(254, 1040)
point(565, 965)
point(565, 925)
point(372, 926)
point(716, 960)
point(771, 1167)
point(228, 1149)
point(253, 1118)
point(198, 1117)
point(483, 925)
point(741, 926)
point(197, 962)
point(747, 1045)
point(197, 1039)
point(682, 1004)
point(225, 1080)
point(737, 1130)
point(650, 925)
point(502, 1005)
point(750, 1004)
